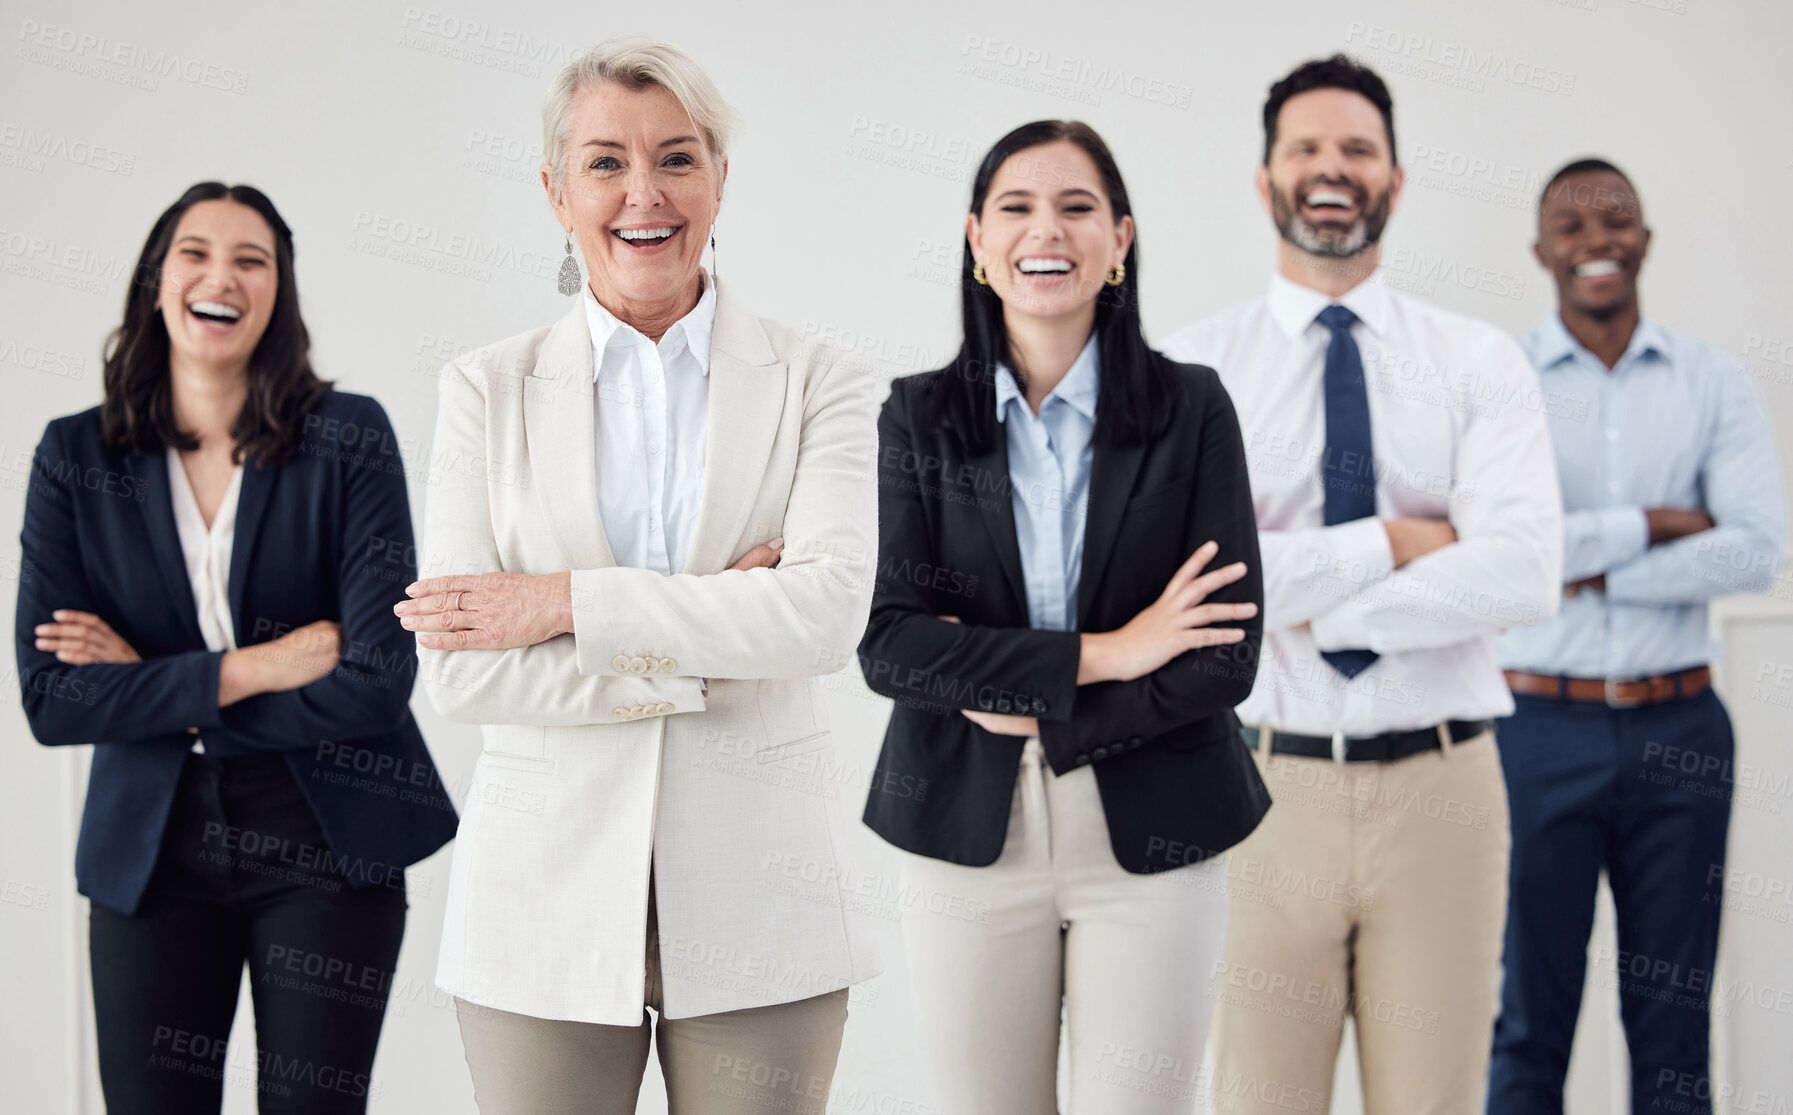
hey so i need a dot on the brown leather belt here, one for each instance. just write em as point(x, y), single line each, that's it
point(1629, 693)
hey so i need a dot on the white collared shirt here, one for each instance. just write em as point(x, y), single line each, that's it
point(1458, 432)
point(651, 403)
point(206, 551)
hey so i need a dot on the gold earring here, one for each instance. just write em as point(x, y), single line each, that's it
point(1117, 274)
point(977, 272)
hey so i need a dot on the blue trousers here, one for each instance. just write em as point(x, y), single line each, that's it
point(1644, 794)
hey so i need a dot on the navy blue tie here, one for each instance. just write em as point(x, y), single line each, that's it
point(1348, 468)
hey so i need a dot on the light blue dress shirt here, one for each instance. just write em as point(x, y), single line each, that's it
point(1049, 472)
point(1676, 423)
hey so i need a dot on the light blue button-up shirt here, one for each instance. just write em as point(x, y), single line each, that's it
point(1049, 472)
point(1677, 423)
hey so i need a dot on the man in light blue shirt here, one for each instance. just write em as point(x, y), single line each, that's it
point(1618, 754)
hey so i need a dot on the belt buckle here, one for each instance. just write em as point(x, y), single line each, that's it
point(1611, 689)
point(1338, 746)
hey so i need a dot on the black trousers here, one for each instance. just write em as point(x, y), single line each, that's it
point(1645, 795)
point(244, 876)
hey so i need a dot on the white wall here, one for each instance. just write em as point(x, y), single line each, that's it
point(400, 143)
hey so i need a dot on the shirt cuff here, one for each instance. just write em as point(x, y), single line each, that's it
point(1333, 631)
point(1363, 548)
point(1626, 533)
point(1365, 542)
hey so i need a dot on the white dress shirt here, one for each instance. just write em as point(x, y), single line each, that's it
point(652, 405)
point(207, 553)
point(1458, 433)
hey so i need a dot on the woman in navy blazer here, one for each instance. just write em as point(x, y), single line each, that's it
point(258, 784)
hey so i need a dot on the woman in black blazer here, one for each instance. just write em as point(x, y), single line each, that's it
point(210, 560)
point(1065, 615)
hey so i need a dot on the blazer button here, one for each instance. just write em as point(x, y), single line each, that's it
point(1135, 741)
point(667, 665)
point(638, 665)
point(1039, 706)
point(663, 707)
point(620, 712)
point(620, 663)
point(1101, 753)
point(1082, 758)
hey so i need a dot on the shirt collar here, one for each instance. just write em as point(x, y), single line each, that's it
point(1078, 388)
point(1294, 307)
point(1555, 343)
point(691, 332)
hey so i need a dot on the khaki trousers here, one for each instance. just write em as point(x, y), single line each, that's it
point(995, 953)
point(1375, 891)
point(778, 1058)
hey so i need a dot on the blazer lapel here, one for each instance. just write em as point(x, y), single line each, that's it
point(1112, 470)
point(253, 494)
point(997, 512)
point(157, 507)
point(559, 426)
point(746, 403)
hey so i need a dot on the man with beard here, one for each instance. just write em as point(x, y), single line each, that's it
point(1619, 753)
point(1407, 512)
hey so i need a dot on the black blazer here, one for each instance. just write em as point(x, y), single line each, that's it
point(1177, 782)
point(324, 535)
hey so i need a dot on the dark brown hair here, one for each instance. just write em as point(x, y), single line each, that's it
point(1338, 72)
point(138, 409)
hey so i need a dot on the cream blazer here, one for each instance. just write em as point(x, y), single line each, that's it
point(602, 750)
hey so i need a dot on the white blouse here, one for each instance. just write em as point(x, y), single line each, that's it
point(207, 553)
point(650, 416)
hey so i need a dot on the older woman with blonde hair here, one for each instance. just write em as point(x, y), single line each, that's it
point(611, 600)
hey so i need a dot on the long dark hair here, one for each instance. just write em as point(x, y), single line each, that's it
point(1132, 403)
point(138, 410)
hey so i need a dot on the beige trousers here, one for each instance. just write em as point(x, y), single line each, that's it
point(1375, 891)
point(778, 1058)
point(994, 954)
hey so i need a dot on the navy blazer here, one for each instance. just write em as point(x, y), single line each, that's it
point(325, 534)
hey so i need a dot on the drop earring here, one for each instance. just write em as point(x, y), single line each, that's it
point(713, 270)
point(569, 271)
